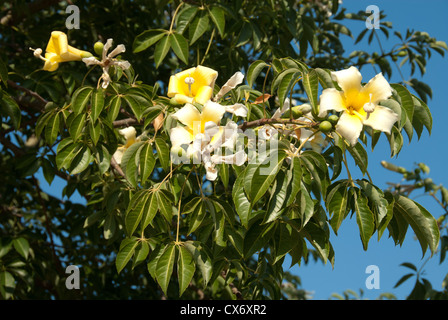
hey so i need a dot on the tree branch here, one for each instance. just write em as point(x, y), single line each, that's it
point(262, 122)
point(42, 101)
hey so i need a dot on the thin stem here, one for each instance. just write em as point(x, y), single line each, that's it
point(174, 16)
point(346, 167)
point(264, 87)
point(208, 47)
point(178, 207)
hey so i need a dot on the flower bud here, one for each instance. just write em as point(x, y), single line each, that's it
point(325, 126)
point(333, 119)
point(98, 48)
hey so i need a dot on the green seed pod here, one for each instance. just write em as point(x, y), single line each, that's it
point(98, 48)
point(296, 113)
point(333, 119)
point(402, 53)
point(325, 126)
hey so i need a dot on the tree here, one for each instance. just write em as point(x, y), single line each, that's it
point(212, 149)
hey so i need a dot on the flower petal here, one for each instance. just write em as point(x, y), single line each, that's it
point(381, 119)
point(180, 135)
point(238, 109)
point(203, 94)
point(118, 155)
point(129, 133)
point(211, 172)
point(379, 88)
point(348, 79)
point(349, 127)
point(204, 76)
point(212, 111)
point(238, 158)
point(234, 80)
point(187, 115)
point(331, 99)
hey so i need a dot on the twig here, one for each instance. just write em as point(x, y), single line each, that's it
point(261, 122)
point(29, 92)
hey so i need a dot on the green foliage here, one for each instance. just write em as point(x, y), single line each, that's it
point(151, 227)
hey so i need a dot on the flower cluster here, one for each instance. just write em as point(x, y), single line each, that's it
point(200, 136)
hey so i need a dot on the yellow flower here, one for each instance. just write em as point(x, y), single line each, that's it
point(358, 104)
point(192, 85)
point(58, 51)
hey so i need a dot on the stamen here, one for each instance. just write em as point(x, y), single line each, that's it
point(189, 81)
point(369, 107)
point(38, 53)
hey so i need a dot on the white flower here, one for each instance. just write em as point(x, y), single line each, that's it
point(130, 134)
point(358, 104)
point(108, 60)
point(202, 138)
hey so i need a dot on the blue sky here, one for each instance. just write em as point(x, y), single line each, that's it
point(350, 258)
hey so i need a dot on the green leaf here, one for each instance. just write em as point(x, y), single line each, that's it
point(114, 108)
point(146, 39)
point(163, 152)
point(137, 103)
point(52, 128)
point(311, 85)
point(95, 131)
point(97, 103)
point(242, 205)
point(65, 155)
point(80, 98)
point(184, 17)
point(422, 116)
point(150, 210)
point(201, 258)
point(359, 154)
point(364, 218)
point(198, 27)
point(265, 174)
point(185, 268)
point(164, 267)
point(130, 162)
point(147, 162)
point(161, 50)
point(10, 108)
point(218, 17)
point(180, 46)
point(3, 72)
point(407, 102)
point(286, 82)
point(141, 252)
point(81, 161)
point(7, 285)
point(165, 201)
point(421, 221)
point(22, 247)
point(135, 215)
point(254, 70)
point(127, 249)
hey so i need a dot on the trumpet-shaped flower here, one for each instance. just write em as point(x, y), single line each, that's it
point(58, 51)
point(195, 121)
point(108, 60)
point(203, 137)
point(192, 85)
point(358, 104)
point(130, 134)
